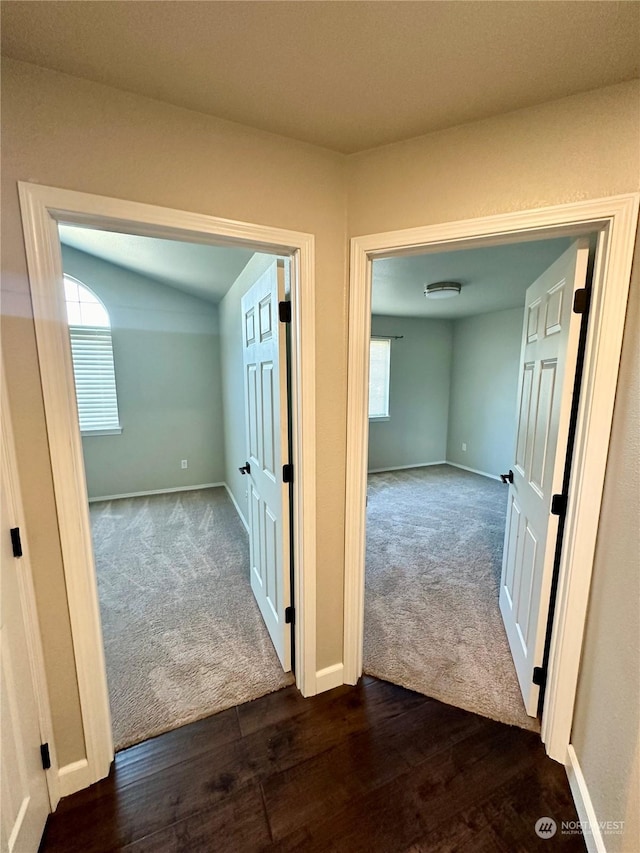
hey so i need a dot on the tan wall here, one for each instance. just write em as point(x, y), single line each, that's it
point(606, 730)
point(70, 133)
point(586, 146)
point(66, 132)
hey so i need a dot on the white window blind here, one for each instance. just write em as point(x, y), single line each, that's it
point(379, 368)
point(92, 355)
point(95, 378)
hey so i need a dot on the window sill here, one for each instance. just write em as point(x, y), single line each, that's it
point(380, 418)
point(87, 432)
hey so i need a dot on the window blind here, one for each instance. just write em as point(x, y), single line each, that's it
point(95, 379)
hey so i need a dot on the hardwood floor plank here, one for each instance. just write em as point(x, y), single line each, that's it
point(277, 707)
point(158, 800)
point(182, 744)
point(402, 812)
point(328, 781)
point(237, 824)
point(372, 768)
point(341, 714)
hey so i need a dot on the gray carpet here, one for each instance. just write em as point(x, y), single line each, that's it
point(432, 621)
point(183, 635)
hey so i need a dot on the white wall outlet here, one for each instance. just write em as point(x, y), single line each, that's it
point(184, 464)
point(464, 446)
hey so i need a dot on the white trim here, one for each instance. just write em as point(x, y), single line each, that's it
point(236, 505)
point(329, 677)
point(406, 467)
point(584, 806)
point(42, 208)
point(473, 470)
point(74, 777)
point(157, 492)
point(28, 596)
point(88, 433)
point(615, 218)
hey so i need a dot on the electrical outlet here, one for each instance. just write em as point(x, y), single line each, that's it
point(464, 446)
point(184, 464)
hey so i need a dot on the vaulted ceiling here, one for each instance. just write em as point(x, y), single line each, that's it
point(198, 269)
point(344, 75)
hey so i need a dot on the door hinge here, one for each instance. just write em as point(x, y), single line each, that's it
point(16, 542)
point(46, 757)
point(581, 301)
point(558, 505)
point(539, 676)
point(284, 311)
point(290, 615)
point(287, 473)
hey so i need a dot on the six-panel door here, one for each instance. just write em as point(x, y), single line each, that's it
point(547, 371)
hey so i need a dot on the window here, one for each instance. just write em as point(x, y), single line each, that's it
point(92, 354)
point(379, 366)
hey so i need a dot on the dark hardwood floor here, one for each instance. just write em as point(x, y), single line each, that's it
point(367, 768)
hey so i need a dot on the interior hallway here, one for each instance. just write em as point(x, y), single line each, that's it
point(372, 768)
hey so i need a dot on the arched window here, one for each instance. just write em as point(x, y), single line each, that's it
point(92, 354)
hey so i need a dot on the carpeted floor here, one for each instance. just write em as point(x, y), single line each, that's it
point(183, 636)
point(432, 621)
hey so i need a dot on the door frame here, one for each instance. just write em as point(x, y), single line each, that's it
point(42, 208)
point(615, 219)
point(27, 595)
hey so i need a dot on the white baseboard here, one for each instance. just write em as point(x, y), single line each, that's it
point(591, 830)
point(329, 677)
point(238, 510)
point(157, 492)
point(406, 467)
point(74, 777)
point(473, 470)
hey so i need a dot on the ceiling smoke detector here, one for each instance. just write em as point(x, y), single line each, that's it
point(442, 289)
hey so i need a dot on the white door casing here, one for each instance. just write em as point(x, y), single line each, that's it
point(42, 207)
point(265, 394)
point(24, 794)
point(614, 219)
point(550, 335)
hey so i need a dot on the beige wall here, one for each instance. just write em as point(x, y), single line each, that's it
point(70, 133)
point(586, 146)
point(606, 731)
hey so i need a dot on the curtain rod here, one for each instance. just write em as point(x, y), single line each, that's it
point(387, 337)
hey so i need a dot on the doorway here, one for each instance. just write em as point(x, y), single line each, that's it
point(443, 413)
point(156, 342)
point(45, 207)
point(614, 222)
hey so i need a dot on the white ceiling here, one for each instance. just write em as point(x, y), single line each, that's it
point(493, 279)
point(200, 270)
point(345, 75)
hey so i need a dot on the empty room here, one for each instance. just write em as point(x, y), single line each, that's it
point(453, 410)
point(156, 342)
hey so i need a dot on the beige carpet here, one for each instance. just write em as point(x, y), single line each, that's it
point(432, 621)
point(183, 635)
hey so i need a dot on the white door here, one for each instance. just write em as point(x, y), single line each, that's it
point(24, 797)
point(547, 369)
point(265, 390)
